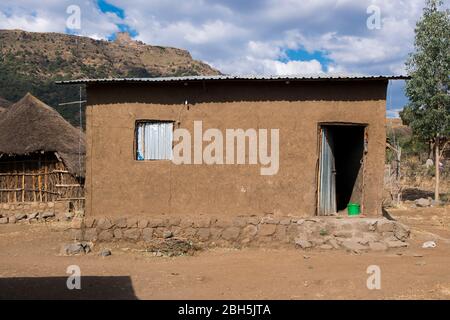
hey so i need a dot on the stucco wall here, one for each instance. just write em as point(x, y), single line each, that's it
point(118, 185)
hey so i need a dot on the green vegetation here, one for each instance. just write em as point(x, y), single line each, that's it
point(428, 113)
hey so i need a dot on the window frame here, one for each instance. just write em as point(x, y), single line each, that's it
point(135, 143)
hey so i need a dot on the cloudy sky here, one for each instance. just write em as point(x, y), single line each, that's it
point(276, 37)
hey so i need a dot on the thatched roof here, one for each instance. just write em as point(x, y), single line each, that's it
point(30, 126)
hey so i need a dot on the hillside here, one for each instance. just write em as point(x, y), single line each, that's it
point(31, 62)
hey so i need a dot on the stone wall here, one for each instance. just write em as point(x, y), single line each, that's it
point(269, 231)
point(34, 211)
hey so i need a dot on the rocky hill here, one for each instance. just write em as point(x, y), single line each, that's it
point(31, 62)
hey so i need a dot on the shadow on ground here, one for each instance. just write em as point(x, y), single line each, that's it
point(412, 194)
point(55, 288)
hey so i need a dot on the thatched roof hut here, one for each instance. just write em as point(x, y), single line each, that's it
point(41, 155)
point(30, 126)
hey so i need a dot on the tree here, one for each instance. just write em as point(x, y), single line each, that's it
point(428, 112)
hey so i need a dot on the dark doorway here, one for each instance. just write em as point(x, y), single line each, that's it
point(340, 167)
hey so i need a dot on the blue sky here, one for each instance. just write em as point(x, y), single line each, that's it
point(277, 37)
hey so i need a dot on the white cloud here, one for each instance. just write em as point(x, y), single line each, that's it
point(247, 37)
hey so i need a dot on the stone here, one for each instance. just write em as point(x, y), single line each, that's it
point(422, 202)
point(167, 234)
point(46, 215)
point(215, 233)
point(158, 222)
point(385, 225)
point(87, 246)
point(190, 232)
point(118, 234)
point(239, 222)
point(397, 244)
point(285, 221)
point(270, 220)
point(105, 235)
point(253, 220)
point(202, 222)
point(377, 246)
point(266, 229)
point(104, 224)
point(343, 234)
point(203, 234)
point(370, 236)
point(72, 248)
point(317, 241)
point(401, 232)
point(20, 216)
point(231, 233)
point(222, 223)
point(334, 243)
point(174, 221)
point(302, 243)
point(32, 215)
point(142, 223)
point(105, 253)
point(76, 223)
point(353, 245)
point(132, 234)
point(3, 220)
point(132, 223)
point(68, 215)
point(89, 222)
point(12, 219)
point(121, 222)
point(176, 231)
point(281, 233)
point(326, 247)
point(436, 203)
point(147, 234)
point(250, 231)
point(184, 223)
point(90, 234)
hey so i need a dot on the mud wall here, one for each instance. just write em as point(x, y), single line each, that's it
point(119, 185)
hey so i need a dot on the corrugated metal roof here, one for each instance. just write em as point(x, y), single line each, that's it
point(237, 78)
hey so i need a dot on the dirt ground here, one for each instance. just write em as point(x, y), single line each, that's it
point(31, 267)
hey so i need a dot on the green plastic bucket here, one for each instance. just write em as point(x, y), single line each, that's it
point(353, 209)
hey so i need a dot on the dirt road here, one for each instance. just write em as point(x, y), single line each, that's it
point(30, 266)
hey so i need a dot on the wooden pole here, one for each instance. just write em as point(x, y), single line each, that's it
point(436, 161)
point(39, 180)
point(23, 181)
point(45, 182)
point(34, 187)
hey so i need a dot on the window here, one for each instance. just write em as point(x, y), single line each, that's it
point(154, 140)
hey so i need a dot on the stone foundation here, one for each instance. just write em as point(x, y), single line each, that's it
point(327, 233)
point(35, 211)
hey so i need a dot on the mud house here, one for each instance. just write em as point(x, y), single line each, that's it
point(41, 159)
point(160, 146)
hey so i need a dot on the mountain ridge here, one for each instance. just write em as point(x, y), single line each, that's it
point(33, 61)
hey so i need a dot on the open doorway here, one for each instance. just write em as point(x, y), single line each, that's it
point(340, 176)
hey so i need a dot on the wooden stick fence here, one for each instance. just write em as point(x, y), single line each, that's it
point(38, 180)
